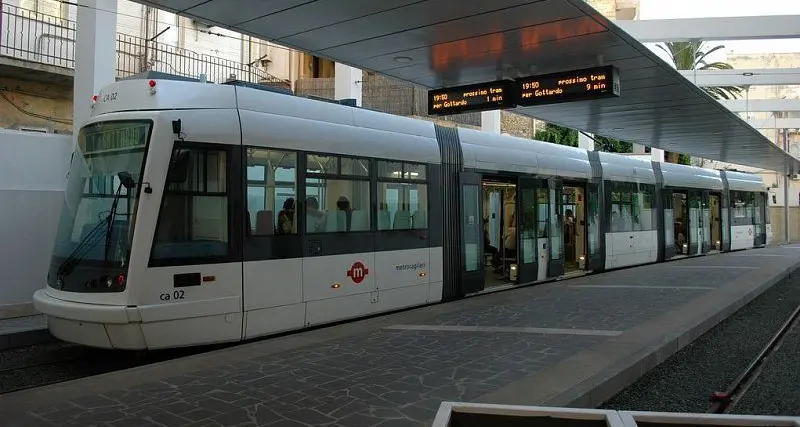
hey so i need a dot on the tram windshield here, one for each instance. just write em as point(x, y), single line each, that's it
point(96, 224)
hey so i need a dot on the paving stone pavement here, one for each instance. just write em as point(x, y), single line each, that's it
point(382, 378)
point(386, 377)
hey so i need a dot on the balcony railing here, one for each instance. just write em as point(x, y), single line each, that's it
point(50, 40)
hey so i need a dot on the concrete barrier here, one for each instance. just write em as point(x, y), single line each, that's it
point(33, 168)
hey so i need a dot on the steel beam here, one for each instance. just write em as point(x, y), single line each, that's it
point(741, 77)
point(721, 28)
point(773, 123)
point(761, 105)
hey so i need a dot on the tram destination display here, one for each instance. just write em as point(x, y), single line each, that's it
point(577, 85)
point(495, 95)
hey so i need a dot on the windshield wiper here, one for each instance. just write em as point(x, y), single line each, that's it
point(88, 242)
point(127, 181)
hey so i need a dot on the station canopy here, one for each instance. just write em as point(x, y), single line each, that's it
point(442, 43)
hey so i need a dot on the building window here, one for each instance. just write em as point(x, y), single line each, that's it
point(402, 195)
point(271, 192)
point(194, 220)
point(337, 194)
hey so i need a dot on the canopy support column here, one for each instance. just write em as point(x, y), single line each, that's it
point(348, 83)
point(95, 55)
point(491, 121)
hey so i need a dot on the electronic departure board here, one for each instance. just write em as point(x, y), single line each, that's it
point(578, 85)
point(495, 95)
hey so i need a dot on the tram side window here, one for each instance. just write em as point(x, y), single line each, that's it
point(337, 194)
point(742, 206)
point(542, 206)
point(194, 220)
point(758, 206)
point(402, 195)
point(271, 192)
point(632, 207)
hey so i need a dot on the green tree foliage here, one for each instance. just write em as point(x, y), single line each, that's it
point(692, 55)
point(558, 135)
point(566, 136)
point(611, 145)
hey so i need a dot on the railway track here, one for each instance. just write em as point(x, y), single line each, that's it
point(46, 364)
point(725, 401)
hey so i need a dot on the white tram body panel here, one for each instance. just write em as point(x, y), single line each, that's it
point(280, 281)
point(630, 247)
point(245, 300)
point(742, 236)
point(503, 153)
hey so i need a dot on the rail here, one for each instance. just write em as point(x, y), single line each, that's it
point(722, 402)
point(44, 39)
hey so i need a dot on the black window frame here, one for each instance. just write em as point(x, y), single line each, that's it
point(633, 190)
point(408, 238)
point(275, 246)
point(233, 187)
point(337, 242)
point(339, 176)
point(749, 210)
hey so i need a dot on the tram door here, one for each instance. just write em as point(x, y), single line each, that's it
point(671, 229)
point(715, 207)
point(555, 266)
point(595, 237)
point(472, 263)
point(527, 230)
point(695, 222)
point(760, 219)
point(705, 222)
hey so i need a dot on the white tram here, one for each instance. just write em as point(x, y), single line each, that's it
point(202, 213)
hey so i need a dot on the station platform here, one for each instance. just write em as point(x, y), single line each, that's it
point(22, 331)
point(567, 343)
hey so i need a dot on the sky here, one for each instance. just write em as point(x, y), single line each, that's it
point(674, 9)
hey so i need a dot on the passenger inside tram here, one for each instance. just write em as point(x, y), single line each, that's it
point(315, 220)
point(286, 217)
point(489, 249)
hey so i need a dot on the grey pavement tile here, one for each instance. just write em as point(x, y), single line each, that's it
point(396, 377)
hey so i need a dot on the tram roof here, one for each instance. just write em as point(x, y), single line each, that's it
point(436, 43)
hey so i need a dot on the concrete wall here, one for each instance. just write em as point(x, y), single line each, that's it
point(33, 168)
point(35, 105)
point(776, 219)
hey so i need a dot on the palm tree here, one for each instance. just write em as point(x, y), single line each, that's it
point(692, 55)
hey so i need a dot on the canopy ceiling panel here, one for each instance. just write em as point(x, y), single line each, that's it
point(437, 43)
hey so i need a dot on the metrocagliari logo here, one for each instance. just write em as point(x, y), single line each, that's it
point(358, 272)
point(414, 266)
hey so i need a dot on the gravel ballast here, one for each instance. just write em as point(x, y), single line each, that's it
point(684, 382)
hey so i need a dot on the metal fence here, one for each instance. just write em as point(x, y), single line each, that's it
point(36, 37)
point(50, 40)
point(136, 54)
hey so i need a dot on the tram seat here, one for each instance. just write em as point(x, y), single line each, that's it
point(384, 220)
point(265, 223)
point(359, 221)
point(402, 220)
point(335, 221)
point(421, 219)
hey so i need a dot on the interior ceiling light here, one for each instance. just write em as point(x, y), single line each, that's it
point(402, 59)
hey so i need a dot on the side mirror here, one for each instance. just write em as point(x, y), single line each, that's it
point(126, 179)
